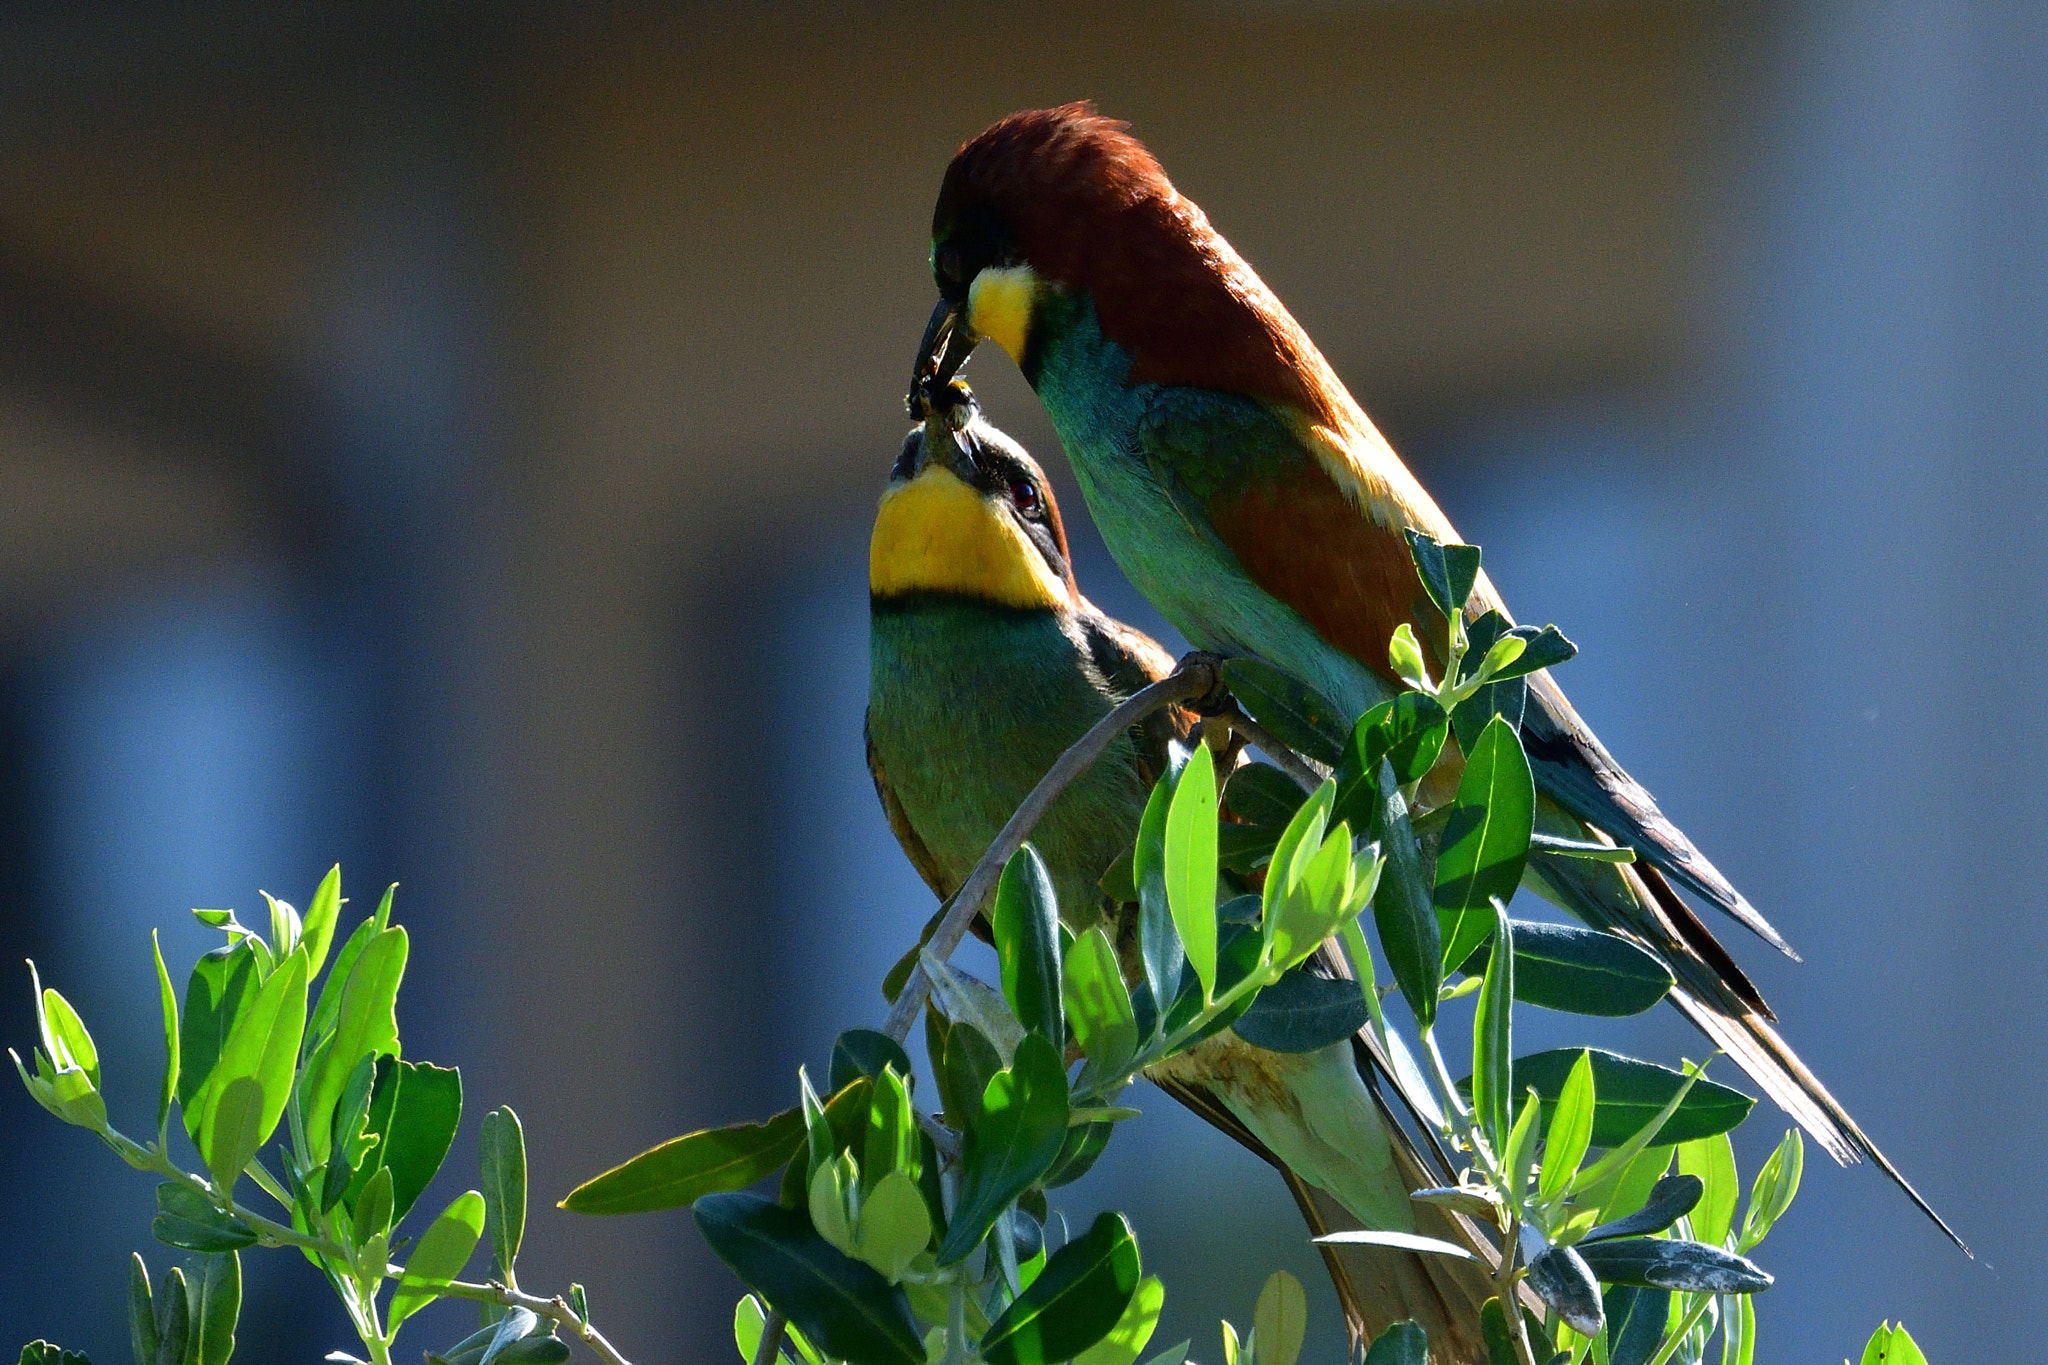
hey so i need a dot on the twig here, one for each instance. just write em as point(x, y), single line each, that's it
point(556, 1309)
point(1284, 758)
point(1194, 678)
point(771, 1339)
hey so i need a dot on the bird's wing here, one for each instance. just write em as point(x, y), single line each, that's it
point(1129, 661)
point(899, 822)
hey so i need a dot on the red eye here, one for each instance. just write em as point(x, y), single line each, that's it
point(1025, 496)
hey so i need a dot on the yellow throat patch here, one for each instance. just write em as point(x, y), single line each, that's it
point(935, 534)
point(999, 306)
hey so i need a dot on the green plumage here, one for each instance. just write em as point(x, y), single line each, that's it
point(970, 703)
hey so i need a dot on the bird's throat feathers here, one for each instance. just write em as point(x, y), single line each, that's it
point(935, 534)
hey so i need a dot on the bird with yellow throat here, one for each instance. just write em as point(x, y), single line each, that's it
point(987, 663)
point(1245, 493)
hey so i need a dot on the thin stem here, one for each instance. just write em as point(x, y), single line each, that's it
point(1685, 1325)
point(1504, 1286)
point(267, 1182)
point(1194, 678)
point(556, 1310)
point(772, 1332)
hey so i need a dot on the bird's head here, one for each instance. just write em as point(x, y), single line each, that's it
point(1065, 201)
point(968, 514)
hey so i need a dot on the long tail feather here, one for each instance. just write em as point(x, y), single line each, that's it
point(1575, 770)
point(1638, 903)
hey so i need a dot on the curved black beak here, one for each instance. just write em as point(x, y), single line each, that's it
point(948, 341)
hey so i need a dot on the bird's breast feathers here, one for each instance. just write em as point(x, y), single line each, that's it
point(935, 534)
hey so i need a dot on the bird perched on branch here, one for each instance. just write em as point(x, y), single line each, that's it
point(986, 663)
point(1245, 493)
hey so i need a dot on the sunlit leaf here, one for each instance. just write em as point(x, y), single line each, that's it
point(1712, 1161)
point(682, 1170)
point(1493, 1084)
point(1486, 840)
point(1075, 1301)
point(442, 1252)
point(502, 1144)
point(1014, 1140)
point(1191, 863)
point(1280, 1320)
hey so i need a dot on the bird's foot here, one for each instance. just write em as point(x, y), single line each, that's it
point(1217, 699)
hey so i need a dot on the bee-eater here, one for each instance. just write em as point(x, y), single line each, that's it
point(986, 663)
point(1245, 493)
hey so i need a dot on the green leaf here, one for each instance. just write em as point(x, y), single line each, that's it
point(1631, 1093)
point(169, 996)
point(1159, 944)
point(65, 1036)
point(1302, 1012)
point(440, 1256)
point(1401, 908)
point(1132, 1331)
point(1026, 927)
point(1260, 794)
point(864, 1052)
point(1712, 1160)
point(1493, 1085)
point(892, 1141)
point(1014, 1140)
point(1673, 1197)
point(1084, 1143)
point(1776, 1185)
point(1738, 1330)
point(234, 1127)
point(1280, 1321)
point(217, 1307)
point(263, 1049)
point(1582, 971)
point(1631, 1188)
point(1191, 863)
point(188, 1220)
point(1407, 732)
point(43, 1353)
point(317, 930)
point(1891, 1345)
point(141, 1312)
point(423, 1124)
point(1664, 1263)
point(1636, 1317)
point(683, 1170)
point(174, 1319)
point(329, 1004)
point(373, 1206)
point(1404, 652)
point(1405, 1343)
point(1486, 840)
point(895, 1226)
point(843, 1306)
point(366, 1023)
point(376, 1125)
point(1075, 1301)
point(1431, 567)
point(1099, 1005)
point(1545, 648)
point(1298, 716)
point(503, 1160)
point(1520, 1156)
point(1571, 1125)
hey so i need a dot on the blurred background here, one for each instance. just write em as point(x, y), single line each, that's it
point(442, 439)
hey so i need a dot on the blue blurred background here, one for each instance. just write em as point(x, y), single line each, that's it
point(441, 439)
